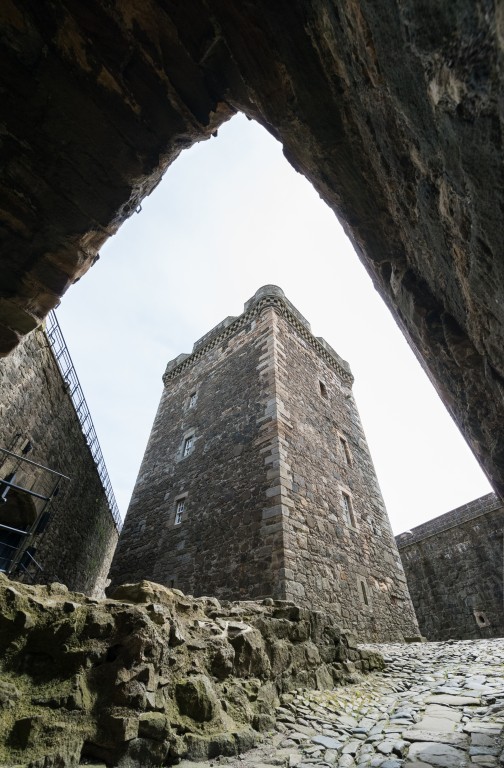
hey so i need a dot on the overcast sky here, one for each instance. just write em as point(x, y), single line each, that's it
point(229, 216)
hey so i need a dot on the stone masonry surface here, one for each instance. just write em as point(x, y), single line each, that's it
point(436, 705)
point(79, 539)
point(257, 480)
point(454, 567)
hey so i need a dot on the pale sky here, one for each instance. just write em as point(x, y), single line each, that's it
point(229, 216)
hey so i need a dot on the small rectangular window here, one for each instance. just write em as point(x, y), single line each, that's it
point(192, 400)
point(348, 509)
point(346, 451)
point(323, 389)
point(179, 511)
point(364, 593)
point(188, 444)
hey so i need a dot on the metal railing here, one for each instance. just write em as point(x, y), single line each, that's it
point(64, 361)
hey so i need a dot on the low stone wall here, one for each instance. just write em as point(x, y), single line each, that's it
point(153, 675)
point(454, 568)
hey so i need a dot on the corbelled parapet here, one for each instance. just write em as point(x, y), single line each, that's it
point(153, 675)
point(265, 297)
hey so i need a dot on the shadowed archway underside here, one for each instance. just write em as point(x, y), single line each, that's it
point(391, 110)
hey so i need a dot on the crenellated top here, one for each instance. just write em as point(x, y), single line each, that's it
point(268, 296)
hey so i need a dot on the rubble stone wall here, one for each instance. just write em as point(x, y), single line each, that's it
point(454, 567)
point(336, 559)
point(80, 536)
point(221, 546)
point(152, 676)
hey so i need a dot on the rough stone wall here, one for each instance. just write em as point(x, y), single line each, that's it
point(79, 539)
point(454, 567)
point(263, 485)
point(221, 547)
point(152, 676)
point(338, 559)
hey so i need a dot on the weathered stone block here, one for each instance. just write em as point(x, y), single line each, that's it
point(153, 725)
point(26, 731)
point(250, 656)
point(196, 698)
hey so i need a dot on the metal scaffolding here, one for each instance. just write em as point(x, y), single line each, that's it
point(16, 550)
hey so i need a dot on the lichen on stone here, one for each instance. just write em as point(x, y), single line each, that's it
point(152, 675)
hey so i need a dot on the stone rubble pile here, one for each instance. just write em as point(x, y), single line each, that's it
point(436, 705)
point(153, 675)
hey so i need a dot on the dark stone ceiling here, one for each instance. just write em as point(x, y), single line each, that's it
point(392, 110)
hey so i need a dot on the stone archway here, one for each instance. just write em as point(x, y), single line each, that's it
point(391, 114)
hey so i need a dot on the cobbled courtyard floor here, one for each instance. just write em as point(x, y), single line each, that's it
point(435, 704)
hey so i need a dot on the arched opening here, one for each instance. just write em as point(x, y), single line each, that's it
point(231, 214)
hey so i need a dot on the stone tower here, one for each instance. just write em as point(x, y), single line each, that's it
point(257, 479)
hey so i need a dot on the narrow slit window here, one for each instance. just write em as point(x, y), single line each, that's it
point(188, 445)
point(365, 597)
point(323, 389)
point(192, 399)
point(346, 451)
point(179, 511)
point(348, 509)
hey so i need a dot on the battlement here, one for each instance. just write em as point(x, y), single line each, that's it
point(265, 297)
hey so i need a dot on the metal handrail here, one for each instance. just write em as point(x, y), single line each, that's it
point(33, 463)
point(66, 367)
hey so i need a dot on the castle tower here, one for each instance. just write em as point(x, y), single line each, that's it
point(257, 480)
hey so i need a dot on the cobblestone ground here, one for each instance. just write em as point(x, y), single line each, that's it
point(436, 704)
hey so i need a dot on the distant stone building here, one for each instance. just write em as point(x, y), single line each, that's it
point(257, 479)
point(56, 522)
point(454, 566)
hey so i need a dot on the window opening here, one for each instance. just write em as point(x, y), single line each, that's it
point(364, 592)
point(192, 400)
point(348, 509)
point(179, 511)
point(346, 451)
point(188, 444)
point(323, 389)
point(481, 619)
